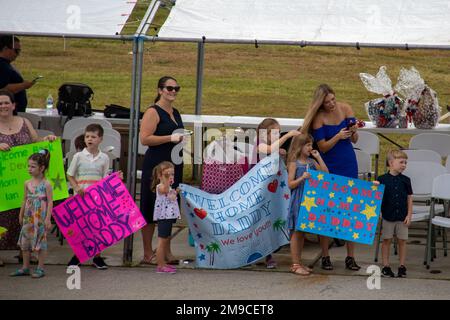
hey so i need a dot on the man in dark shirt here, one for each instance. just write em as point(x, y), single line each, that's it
point(396, 210)
point(10, 78)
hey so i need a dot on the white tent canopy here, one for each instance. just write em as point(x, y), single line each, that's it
point(412, 22)
point(64, 17)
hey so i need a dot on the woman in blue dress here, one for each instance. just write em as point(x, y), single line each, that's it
point(332, 124)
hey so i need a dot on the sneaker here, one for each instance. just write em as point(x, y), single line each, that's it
point(387, 272)
point(271, 263)
point(326, 263)
point(74, 262)
point(38, 273)
point(350, 264)
point(99, 263)
point(166, 269)
point(401, 271)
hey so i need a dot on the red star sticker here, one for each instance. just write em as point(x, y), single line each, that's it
point(286, 196)
point(279, 173)
point(202, 246)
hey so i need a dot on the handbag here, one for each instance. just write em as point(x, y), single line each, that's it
point(220, 171)
point(116, 111)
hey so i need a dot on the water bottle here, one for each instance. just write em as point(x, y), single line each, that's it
point(49, 104)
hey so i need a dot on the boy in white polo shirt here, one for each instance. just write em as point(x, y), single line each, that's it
point(88, 167)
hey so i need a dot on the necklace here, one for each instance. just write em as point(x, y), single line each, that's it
point(6, 125)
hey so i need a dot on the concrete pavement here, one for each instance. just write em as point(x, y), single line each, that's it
point(142, 282)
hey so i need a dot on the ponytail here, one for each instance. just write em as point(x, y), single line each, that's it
point(42, 158)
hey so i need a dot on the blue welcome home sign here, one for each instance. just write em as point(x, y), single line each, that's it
point(340, 207)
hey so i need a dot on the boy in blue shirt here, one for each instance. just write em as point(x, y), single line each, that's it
point(396, 210)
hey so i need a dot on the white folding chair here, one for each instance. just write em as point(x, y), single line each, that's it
point(370, 143)
point(74, 125)
point(441, 190)
point(422, 174)
point(423, 155)
point(422, 185)
point(112, 146)
point(43, 133)
point(364, 163)
point(34, 119)
point(439, 142)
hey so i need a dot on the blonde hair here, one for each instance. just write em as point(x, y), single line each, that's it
point(395, 154)
point(264, 125)
point(297, 144)
point(320, 94)
point(157, 172)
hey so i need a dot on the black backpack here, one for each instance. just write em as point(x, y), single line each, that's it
point(74, 99)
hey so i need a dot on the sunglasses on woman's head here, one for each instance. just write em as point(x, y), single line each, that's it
point(171, 88)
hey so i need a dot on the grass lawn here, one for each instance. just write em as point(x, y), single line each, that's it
point(275, 81)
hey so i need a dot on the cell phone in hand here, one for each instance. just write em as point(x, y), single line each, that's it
point(350, 124)
point(37, 78)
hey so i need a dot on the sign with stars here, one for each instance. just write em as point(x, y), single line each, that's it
point(103, 216)
point(14, 172)
point(244, 223)
point(340, 207)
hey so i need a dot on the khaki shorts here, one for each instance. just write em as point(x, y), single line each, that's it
point(398, 228)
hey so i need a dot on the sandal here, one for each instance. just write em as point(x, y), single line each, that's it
point(307, 268)
point(151, 261)
point(20, 273)
point(350, 264)
point(298, 269)
point(38, 273)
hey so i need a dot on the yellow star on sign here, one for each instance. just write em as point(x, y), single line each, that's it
point(369, 211)
point(311, 225)
point(331, 195)
point(351, 183)
point(355, 235)
point(320, 177)
point(303, 226)
point(309, 203)
point(349, 199)
point(374, 187)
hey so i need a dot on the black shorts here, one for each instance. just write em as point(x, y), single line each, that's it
point(165, 228)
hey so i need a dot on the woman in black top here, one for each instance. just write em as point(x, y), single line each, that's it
point(156, 132)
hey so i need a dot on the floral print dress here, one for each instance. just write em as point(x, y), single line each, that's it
point(10, 219)
point(33, 236)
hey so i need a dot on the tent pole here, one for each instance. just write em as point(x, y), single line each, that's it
point(135, 108)
point(138, 50)
point(198, 136)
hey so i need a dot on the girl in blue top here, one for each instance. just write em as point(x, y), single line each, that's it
point(332, 124)
point(299, 164)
